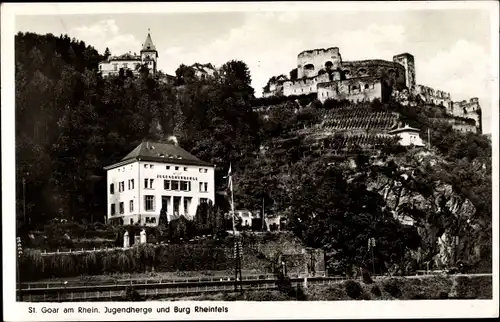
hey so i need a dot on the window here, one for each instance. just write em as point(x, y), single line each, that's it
point(175, 185)
point(167, 167)
point(203, 186)
point(147, 220)
point(367, 86)
point(185, 185)
point(203, 200)
point(121, 186)
point(185, 169)
point(113, 209)
point(122, 208)
point(145, 166)
point(151, 166)
point(131, 184)
point(125, 65)
point(148, 183)
point(153, 220)
point(112, 188)
point(149, 203)
point(115, 67)
point(166, 184)
point(131, 221)
point(131, 206)
point(176, 168)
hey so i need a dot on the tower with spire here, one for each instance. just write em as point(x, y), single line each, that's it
point(149, 54)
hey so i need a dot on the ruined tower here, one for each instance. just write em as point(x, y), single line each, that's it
point(408, 61)
point(149, 54)
point(310, 62)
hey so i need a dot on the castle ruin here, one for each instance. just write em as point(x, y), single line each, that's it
point(324, 73)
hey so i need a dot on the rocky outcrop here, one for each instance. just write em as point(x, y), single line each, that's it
point(443, 217)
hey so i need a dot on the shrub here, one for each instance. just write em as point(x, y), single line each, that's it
point(442, 295)
point(375, 290)
point(353, 289)
point(392, 287)
point(131, 295)
point(367, 279)
point(462, 288)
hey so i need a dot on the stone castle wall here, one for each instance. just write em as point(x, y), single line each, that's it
point(354, 89)
point(303, 86)
point(468, 109)
point(433, 96)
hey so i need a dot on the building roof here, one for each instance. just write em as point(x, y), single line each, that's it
point(148, 44)
point(406, 128)
point(160, 152)
point(126, 56)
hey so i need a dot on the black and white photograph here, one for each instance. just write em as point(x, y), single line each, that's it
point(193, 156)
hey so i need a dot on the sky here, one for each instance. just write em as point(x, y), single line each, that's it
point(452, 48)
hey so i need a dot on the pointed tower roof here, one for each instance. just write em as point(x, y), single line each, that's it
point(148, 44)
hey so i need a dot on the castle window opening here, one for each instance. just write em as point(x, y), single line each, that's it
point(328, 64)
point(309, 67)
point(367, 86)
point(362, 71)
point(347, 72)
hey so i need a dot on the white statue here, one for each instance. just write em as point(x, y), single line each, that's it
point(126, 241)
point(143, 236)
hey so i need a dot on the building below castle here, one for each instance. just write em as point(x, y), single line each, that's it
point(148, 57)
point(157, 178)
point(324, 73)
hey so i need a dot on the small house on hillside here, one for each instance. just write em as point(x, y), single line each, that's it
point(408, 136)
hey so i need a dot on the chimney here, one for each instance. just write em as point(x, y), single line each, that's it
point(173, 139)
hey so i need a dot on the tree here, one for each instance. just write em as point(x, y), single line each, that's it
point(107, 53)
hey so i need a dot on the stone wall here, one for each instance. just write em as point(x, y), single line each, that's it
point(434, 96)
point(468, 109)
point(304, 85)
point(309, 62)
point(356, 89)
point(376, 68)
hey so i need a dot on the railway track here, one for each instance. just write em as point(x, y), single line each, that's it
point(168, 289)
point(173, 289)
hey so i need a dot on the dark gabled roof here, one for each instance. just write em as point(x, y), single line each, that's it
point(160, 152)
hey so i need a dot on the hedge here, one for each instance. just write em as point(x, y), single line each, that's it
point(141, 258)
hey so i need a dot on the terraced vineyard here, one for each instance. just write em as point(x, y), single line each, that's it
point(358, 118)
point(364, 141)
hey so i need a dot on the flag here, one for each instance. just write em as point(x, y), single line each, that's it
point(230, 179)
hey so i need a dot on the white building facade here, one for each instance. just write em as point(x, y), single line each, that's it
point(156, 178)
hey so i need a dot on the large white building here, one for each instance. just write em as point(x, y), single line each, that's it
point(157, 177)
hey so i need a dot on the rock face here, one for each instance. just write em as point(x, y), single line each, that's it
point(442, 216)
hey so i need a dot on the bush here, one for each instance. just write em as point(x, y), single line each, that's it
point(392, 287)
point(442, 295)
point(131, 295)
point(462, 288)
point(353, 289)
point(376, 290)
